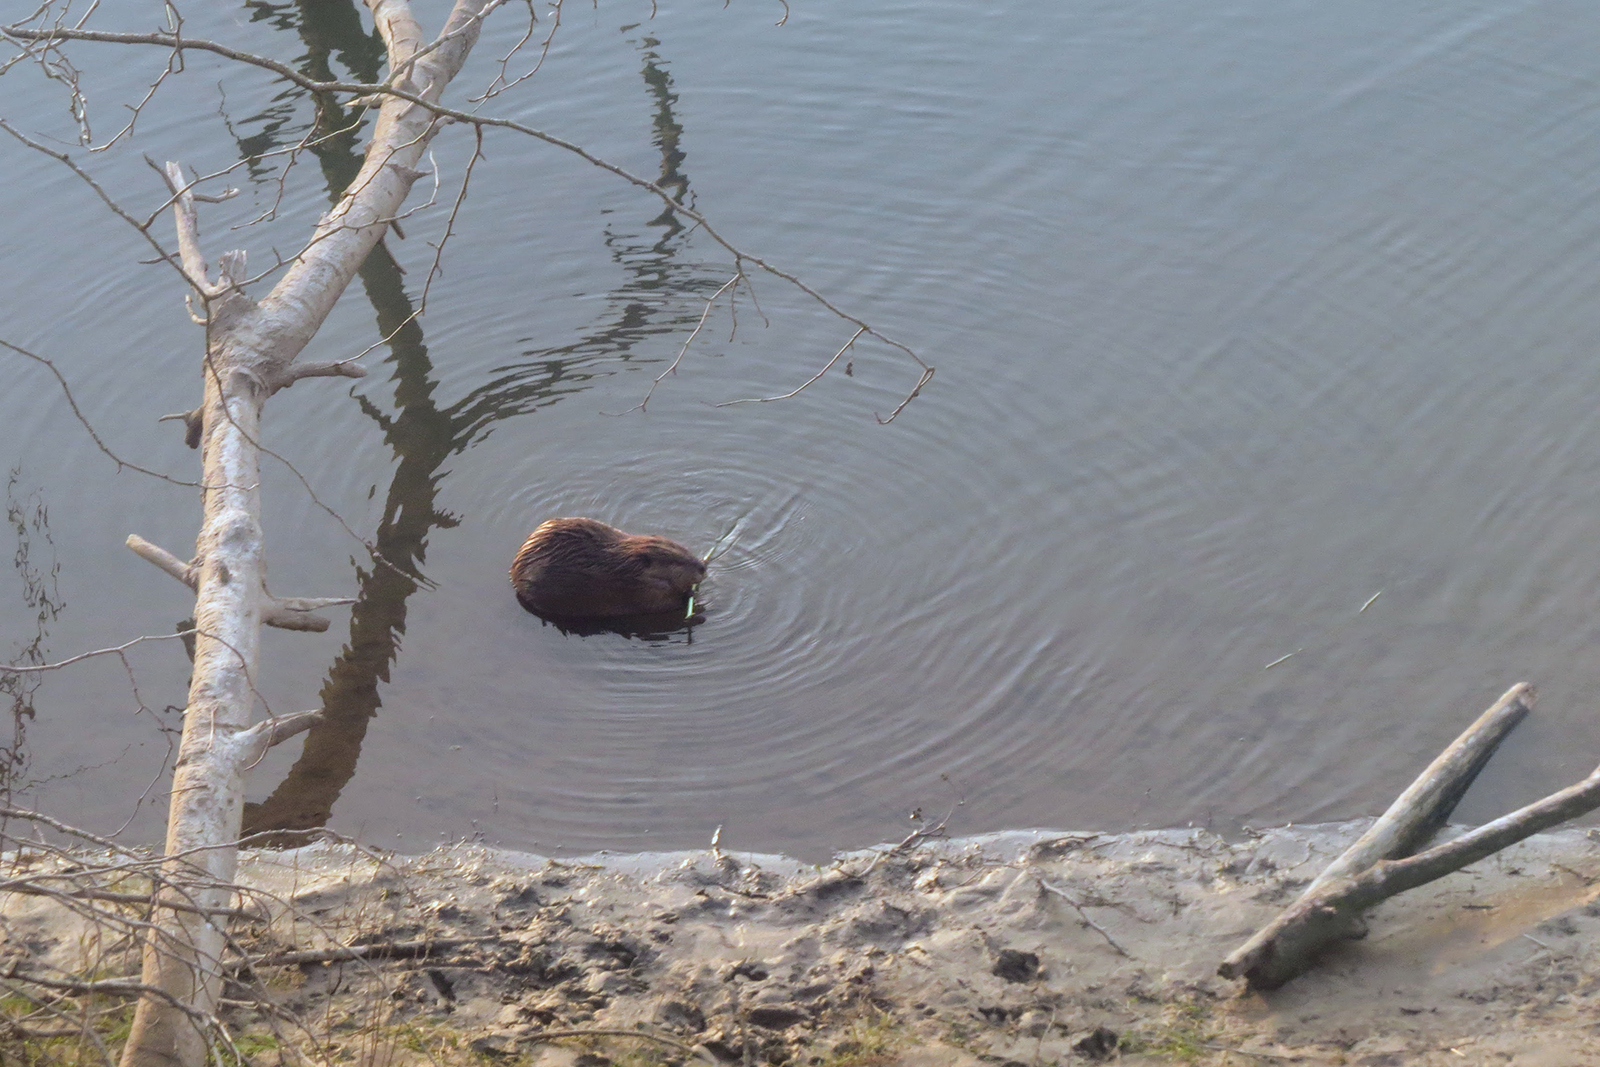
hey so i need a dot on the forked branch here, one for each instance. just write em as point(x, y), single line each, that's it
point(1385, 862)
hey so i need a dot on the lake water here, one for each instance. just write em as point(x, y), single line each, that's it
point(1244, 313)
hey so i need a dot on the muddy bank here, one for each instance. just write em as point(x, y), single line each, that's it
point(1025, 948)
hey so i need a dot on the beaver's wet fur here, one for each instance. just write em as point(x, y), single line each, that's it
point(584, 569)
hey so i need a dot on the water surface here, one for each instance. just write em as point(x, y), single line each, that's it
point(1243, 314)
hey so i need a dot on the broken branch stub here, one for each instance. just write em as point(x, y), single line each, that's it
point(285, 612)
point(337, 369)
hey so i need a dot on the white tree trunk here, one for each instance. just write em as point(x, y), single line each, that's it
point(249, 351)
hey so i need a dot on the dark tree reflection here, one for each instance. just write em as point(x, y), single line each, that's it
point(655, 297)
point(29, 519)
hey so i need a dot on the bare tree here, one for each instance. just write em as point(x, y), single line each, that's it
point(250, 354)
point(251, 351)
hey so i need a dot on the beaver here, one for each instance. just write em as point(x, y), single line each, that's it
point(583, 569)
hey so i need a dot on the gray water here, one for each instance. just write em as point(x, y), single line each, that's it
point(1243, 314)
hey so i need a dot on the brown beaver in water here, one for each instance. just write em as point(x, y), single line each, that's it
point(583, 569)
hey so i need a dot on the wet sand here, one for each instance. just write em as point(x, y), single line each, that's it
point(1028, 947)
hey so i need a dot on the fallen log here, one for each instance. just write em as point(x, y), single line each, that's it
point(1422, 810)
point(1384, 861)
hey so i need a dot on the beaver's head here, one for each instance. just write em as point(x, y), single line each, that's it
point(664, 565)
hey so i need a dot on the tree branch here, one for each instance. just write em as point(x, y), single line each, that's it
point(285, 613)
point(1380, 864)
point(335, 369)
point(255, 741)
point(1425, 806)
point(428, 98)
point(166, 561)
point(188, 228)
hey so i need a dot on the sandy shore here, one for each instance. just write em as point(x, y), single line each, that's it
point(1023, 948)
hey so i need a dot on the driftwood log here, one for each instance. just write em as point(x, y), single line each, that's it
point(1385, 861)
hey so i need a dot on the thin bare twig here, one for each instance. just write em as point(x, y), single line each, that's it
point(1083, 916)
point(116, 650)
point(78, 413)
point(797, 389)
point(383, 950)
point(704, 315)
point(116, 208)
point(169, 40)
point(913, 839)
point(500, 84)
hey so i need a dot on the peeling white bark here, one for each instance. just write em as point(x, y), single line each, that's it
point(250, 352)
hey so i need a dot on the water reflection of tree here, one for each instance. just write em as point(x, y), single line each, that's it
point(29, 519)
point(650, 301)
